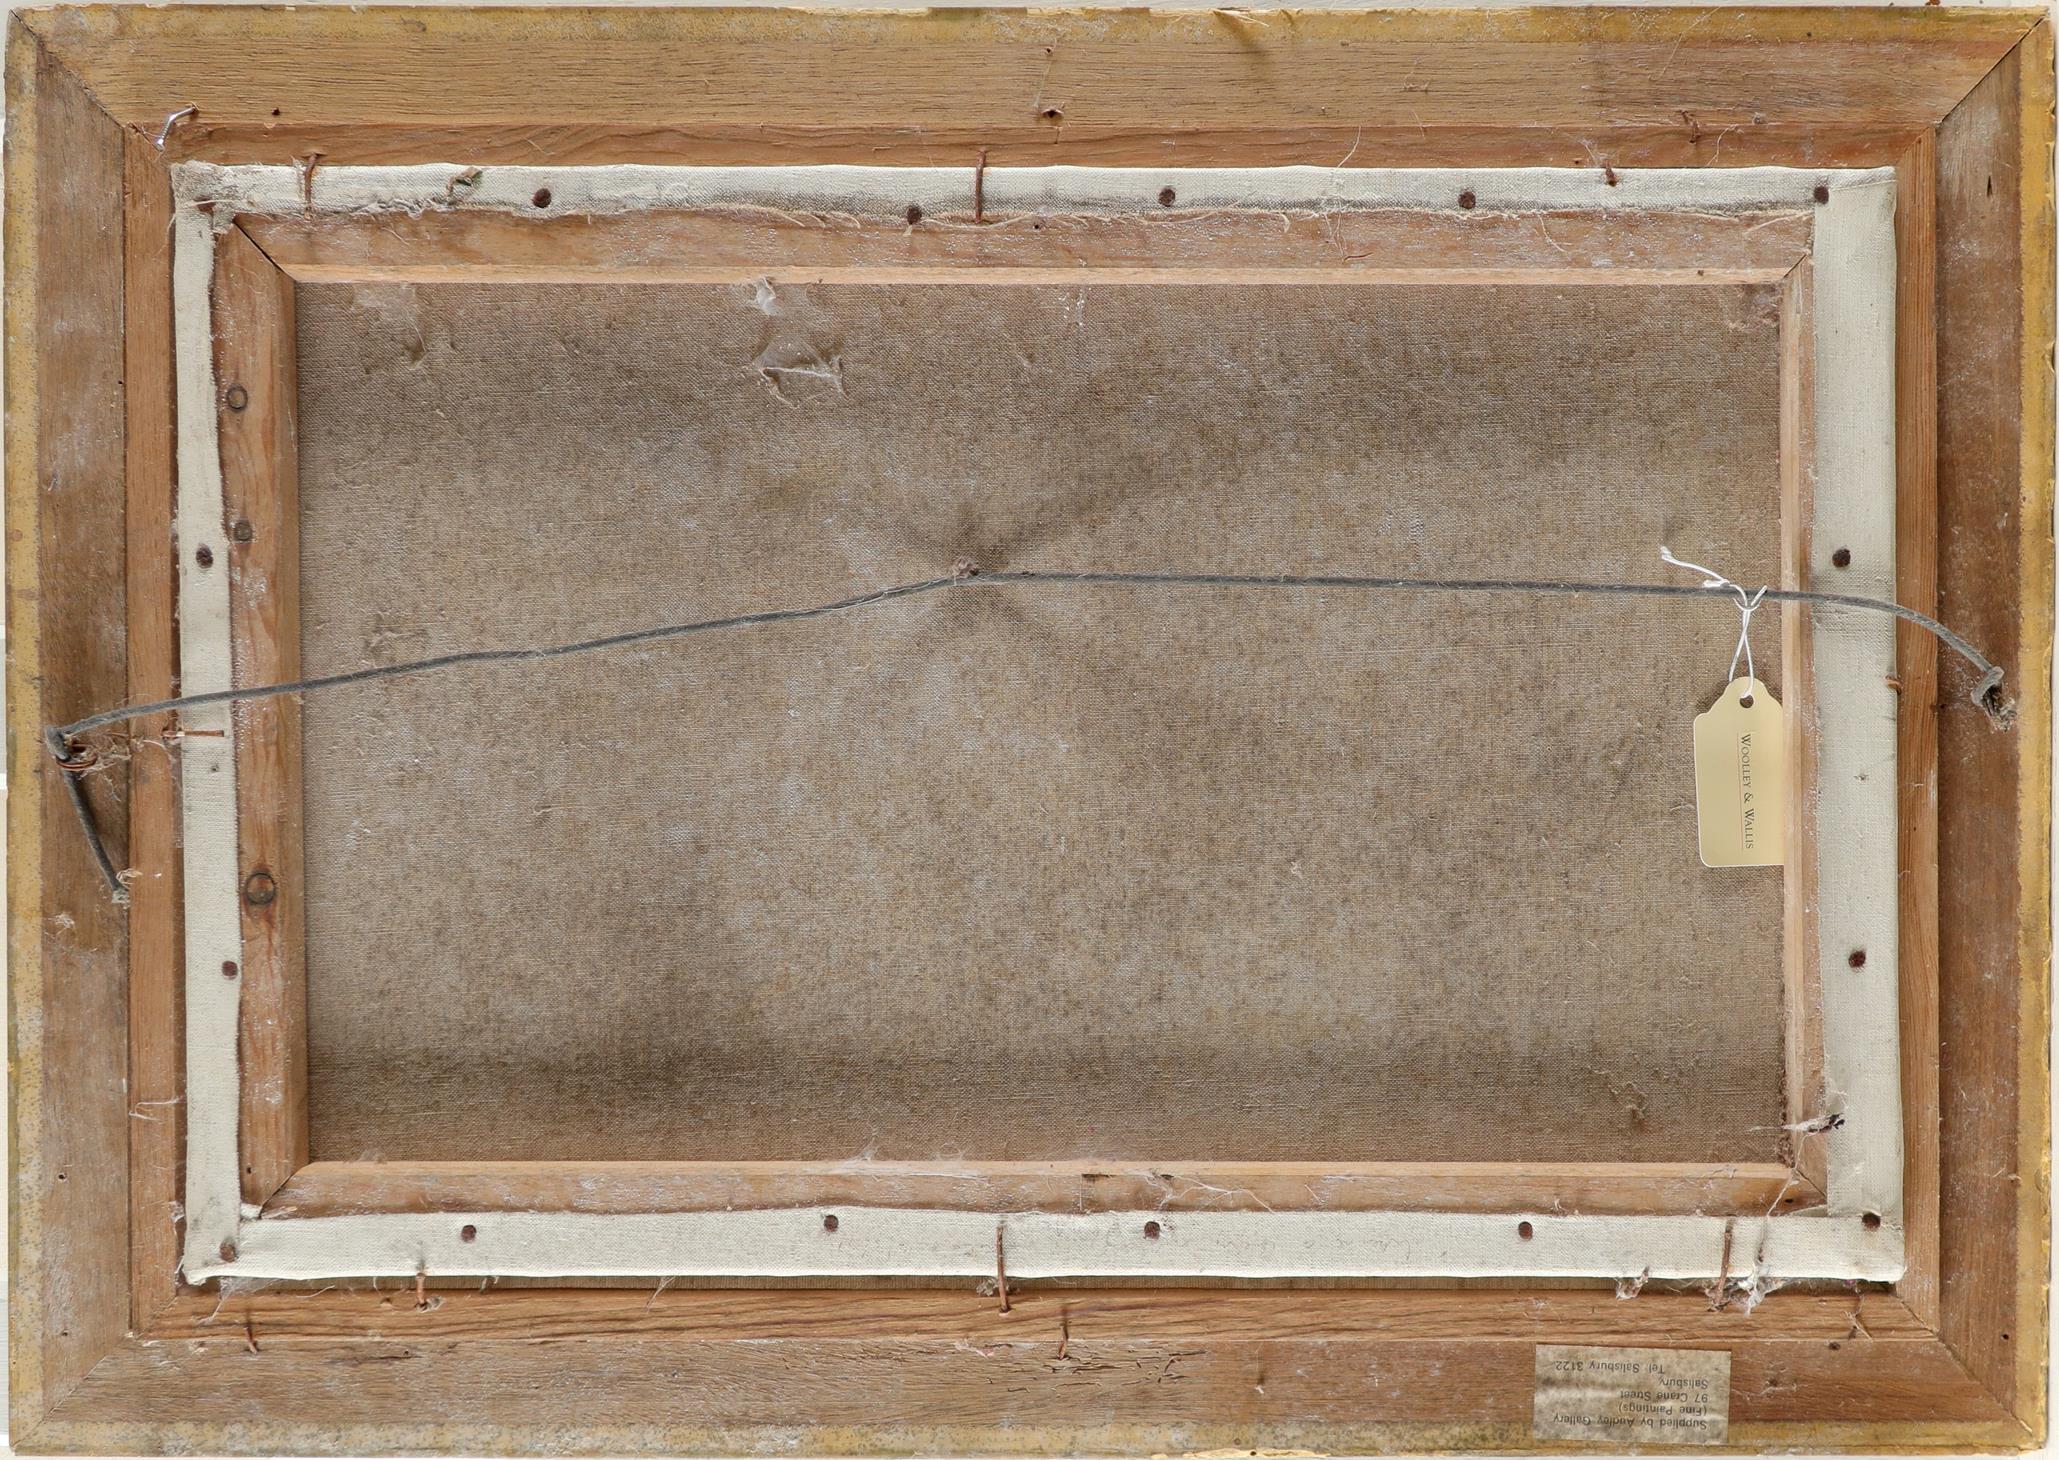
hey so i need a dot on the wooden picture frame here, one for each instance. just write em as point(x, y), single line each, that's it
point(111, 1351)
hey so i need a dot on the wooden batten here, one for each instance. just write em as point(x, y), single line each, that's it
point(338, 1188)
point(254, 380)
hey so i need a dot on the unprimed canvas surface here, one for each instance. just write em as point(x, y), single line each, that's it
point(1023, 872)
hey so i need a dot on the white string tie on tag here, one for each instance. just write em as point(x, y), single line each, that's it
point(1747, 605)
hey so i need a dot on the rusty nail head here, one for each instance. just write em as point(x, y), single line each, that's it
point(242, 531)
point(204, 555)
point(259, 888)
point(236, 398)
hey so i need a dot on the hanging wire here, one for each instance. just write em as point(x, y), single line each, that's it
point(75, 762)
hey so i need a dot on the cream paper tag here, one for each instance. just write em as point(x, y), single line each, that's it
point(1740, 778)
point(1626, 1398)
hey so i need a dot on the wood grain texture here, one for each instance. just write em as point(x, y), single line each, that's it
point(1011, 76)
point(1994, 584)
point(1202, 1314)
point(1212, 246)
point(1682, 141)
point(2037, 101)
point(1085, 1371)
point(156, 959)
point(537, 1370)
point(1916, 660)
point(255, 349)
point(331, 1188)
point(68, 949)
point(1803, 985)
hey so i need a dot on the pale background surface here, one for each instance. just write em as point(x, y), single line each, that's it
point(1360, 876)
point(6, 5)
